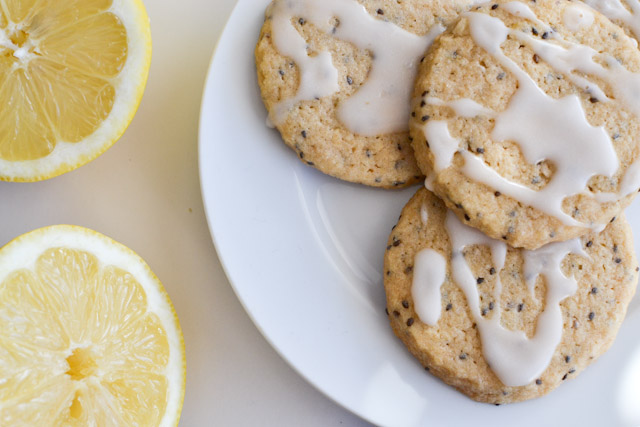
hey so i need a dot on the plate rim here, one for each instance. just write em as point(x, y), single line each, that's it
point(307, 376)
point(219, 253)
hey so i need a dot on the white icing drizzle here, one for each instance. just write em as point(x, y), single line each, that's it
point(428, 183)
point(318, 76)
point(577, 17)
point(614, 10)
point(442, 145)
point(424, 214)
point(428, 276)
point(381, 104)
point(516, 359)
point(521, 10)
point(566, 61)
point(575, 57)
point(463, 107)
point(545, 128)
point(628, 185)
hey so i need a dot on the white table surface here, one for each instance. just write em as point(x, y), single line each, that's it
point(145, 193)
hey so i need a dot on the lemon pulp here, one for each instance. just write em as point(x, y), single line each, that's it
point(63, 73)
point(82, 342)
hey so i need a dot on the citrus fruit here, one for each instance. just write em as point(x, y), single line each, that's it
point(88, 335)
point(72, 74)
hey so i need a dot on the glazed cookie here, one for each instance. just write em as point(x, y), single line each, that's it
point(501, 324)
point(526, 120)
point(336, 77)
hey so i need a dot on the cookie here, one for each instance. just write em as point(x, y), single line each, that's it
point(501, 324)
point(336, 77)
point(523, 128)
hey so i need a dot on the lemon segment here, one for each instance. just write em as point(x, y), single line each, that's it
point(88, 335)
point(72, 74)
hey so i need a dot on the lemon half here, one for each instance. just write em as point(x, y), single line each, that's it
point(88, 335)
point(72, 74)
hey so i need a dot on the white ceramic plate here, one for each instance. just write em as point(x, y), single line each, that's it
point(304, 254)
